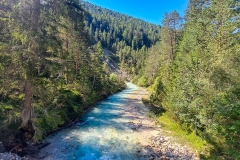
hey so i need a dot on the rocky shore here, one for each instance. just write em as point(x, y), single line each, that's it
point(154, 144)
point(18, 152)
point(10, 156)
point(163, 148)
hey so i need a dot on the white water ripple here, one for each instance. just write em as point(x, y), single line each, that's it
point(103, 134)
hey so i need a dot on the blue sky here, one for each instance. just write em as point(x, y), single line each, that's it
point(148, 10)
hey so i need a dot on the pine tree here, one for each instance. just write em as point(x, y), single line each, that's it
point(201, 90)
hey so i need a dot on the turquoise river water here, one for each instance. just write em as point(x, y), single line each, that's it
point(104, 133)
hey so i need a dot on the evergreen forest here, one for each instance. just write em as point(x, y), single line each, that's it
point(194, 72)
point(126, 36)
point(52, 67)
point(48, 76)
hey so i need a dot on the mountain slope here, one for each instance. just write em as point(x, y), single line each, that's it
point(129, 38)
point(114, 29)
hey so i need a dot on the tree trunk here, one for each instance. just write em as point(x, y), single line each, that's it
point(26, 112)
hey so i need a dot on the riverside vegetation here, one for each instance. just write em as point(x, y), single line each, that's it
point(193, 73)
point(48, 76)
point(191, 65)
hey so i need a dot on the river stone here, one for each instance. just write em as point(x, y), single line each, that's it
point(2, 148)
point(10, 156)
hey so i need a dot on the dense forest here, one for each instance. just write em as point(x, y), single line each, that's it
point(48, 77)
point(126, 36)
point(194, 72)
point(52, 69)
point(116, 30)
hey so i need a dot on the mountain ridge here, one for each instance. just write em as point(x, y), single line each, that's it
point(111, 27)
point(129, 16)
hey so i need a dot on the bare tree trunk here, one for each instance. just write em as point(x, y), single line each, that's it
point(172, 47)
point(26, 112)
point(67, 78)
point(35, 15)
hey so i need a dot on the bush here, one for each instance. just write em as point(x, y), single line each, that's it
point(143, 82)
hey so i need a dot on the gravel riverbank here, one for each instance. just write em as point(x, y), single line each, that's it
point(10, 156)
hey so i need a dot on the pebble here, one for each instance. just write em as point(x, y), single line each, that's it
point(2, 148)
point(164, 148)
point(10, 156)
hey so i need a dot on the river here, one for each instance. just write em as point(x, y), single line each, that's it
point(109, 131)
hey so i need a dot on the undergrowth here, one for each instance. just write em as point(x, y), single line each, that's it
point(173, 129)
point(205, 149)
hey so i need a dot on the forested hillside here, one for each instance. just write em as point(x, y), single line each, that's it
point(194, 72)
point(126, 36)
point(53, 68)
point(47, 75)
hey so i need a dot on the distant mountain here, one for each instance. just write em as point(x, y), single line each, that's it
point(116, 30)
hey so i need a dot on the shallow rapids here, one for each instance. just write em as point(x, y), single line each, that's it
point(107, 132)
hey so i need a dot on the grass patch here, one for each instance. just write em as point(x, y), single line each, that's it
point(207, 149)
point(173, 129)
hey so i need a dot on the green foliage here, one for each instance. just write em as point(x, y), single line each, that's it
point(197, 81)
point(174, 129)
point(69, 102)
point(183, 136)
point(158, 94)
point(46, 69)
point(114, 29)
point(142, 82)
point(126, 36)
point(113, 77)
point(9, 114)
